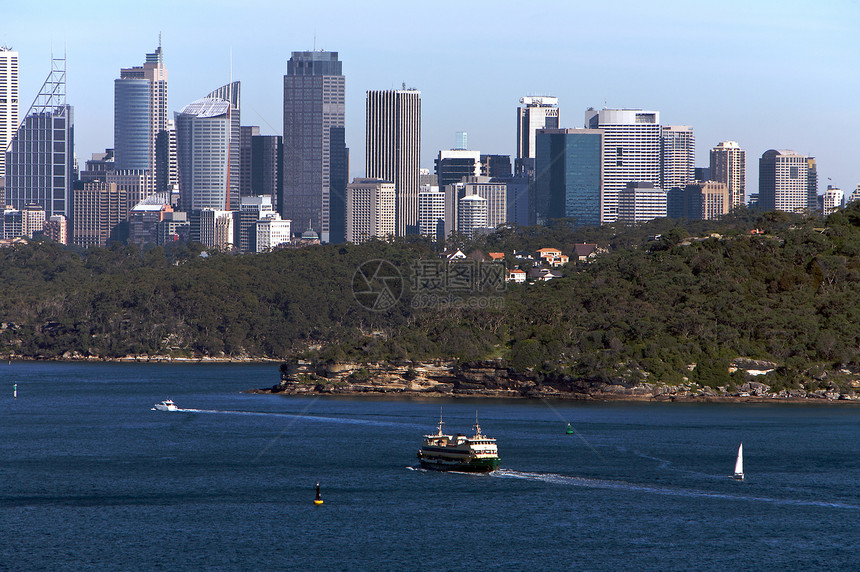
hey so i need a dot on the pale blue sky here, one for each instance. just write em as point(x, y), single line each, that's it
point(768, 74)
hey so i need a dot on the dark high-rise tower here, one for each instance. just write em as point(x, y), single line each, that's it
point(314, 104)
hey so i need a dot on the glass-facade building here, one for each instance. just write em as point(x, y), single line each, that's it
point(568, 176)
point(40, 162)
point(203, 131)
point(314, 103)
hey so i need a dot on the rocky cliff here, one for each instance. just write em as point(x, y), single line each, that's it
point(495, 379)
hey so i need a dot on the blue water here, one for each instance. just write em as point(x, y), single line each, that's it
point(91, 477)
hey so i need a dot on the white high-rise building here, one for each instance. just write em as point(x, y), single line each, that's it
point(832, 199)
point(678, 156)
point(370, 209)
point(728, 165)
point(431, 212)
point(631, 151)
point(203, 130)
point(272, 231)
point(855, 196)
point(537, 112)
point(394, 148)
point(471, 215)
point(786, 181)
point(8, 101)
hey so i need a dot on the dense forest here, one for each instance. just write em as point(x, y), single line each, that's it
point(663, 301)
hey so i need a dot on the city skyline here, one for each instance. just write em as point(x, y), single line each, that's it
point(737, 79)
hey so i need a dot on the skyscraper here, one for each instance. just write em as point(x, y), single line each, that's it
point(568, 176)
point(8, 101)
point(784, 181)
point(314, 103)
point(393, 148)
point(370, 209)
point(431, 212)
point(536, 113)
point(34, 176)
point(471, 215)
point(631, 151)
point(203, 132)
point(728, 165)
point(140, 114)
point(678, 156)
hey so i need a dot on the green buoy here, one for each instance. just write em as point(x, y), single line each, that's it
point(569, 430)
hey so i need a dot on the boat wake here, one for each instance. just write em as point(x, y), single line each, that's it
point(302, 416)
point(558, 479)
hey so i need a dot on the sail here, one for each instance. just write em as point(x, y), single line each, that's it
point(739, 464)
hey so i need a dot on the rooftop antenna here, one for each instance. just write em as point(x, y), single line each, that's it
point(159, 41)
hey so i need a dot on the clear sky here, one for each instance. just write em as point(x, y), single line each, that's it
point(768, 74)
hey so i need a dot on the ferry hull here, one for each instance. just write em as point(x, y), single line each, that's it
point(470, 466)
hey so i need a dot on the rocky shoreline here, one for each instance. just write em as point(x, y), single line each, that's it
point(494, 379)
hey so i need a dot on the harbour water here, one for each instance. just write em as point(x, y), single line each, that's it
point(92, 478)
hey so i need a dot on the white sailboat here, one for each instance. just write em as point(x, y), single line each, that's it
point(739, 464)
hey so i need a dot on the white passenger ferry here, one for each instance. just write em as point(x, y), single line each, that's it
point(476, 454)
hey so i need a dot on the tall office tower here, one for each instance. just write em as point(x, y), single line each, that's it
point(140, 114)
point(631, 151)
point(338, 180)
point(246, 158)
point(471, 215)
point(517, 199)
point(461, 141)
point(394, 146)
point(99, 208)
point(568, 176)
point(431, 212)
point(143, 220)
point(831, 200)
point(166, 167)
point(8, 101)
point(811, 184)
point(203, 133)
point(496, 166)
point(370, 209)
point(728, 165)
point(454, 165)
point(678, 156)
point(56, 228)
point(702, 200)
point(702, 174)
point(267, 156)
point(314, 103)
point(536, 113)
point(784, 180)
point(34, 176)
point(641, 201)
point(251, 209)
point(231, 92)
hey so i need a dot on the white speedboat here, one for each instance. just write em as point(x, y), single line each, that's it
point(166, 405)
